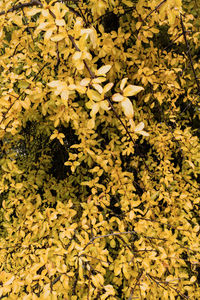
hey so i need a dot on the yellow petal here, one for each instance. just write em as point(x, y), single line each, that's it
point(93, 95)
point(128, 108)
point(61, 135)
point(60, 22)
point(124, 81)
point(95, 109)
point(117, 97)
point(77, 55)
point(103, 70)
point(85, 81)
point(64, 95)
point(54, 83)
point(89, 104)
point(139, 127)
point(98, 87)
point(58, 37)
point(104, 105)
point(191, 164)
point(93, 37)
point(33, 12)
point(48, 34)
point(91, 124)
point(8, 282)
point(107, 87)
point(86, 31)
point(132, 124)
point(132, 90)
point(87, 55)
point(80, 65)
point(81, 89)
point(142, 132)
point(72, 87)
point(98, 79)
point(53, 136)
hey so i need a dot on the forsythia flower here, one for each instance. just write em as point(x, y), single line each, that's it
point(97, 101)
point(130, 90)
point(97, 98)
point(57, 135)
point(139, 128)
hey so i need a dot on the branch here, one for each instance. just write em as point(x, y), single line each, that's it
point(92, 75)
point(34, 78)
point(106, 235)
point(100, 260)
point(167, 284)
point(22, 5)
point(75, 281)
point(54, 281)
point(136, 283)
point(172, 43)
point(128, 133)
point(154, 280)
point(165, 224)
point(118, 234)
point(189, 54)
point(155, 9)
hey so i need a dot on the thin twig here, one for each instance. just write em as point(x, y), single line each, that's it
point(34, 78)
point(21, 6)
point(127, 131)
point(136, 283)
point(167, 284)
point(155, 9)
point(75, 281)
point(118, 234)
point(107, 235)
point(92, 75)
point(189, 54)
point(154, 280)
point(100, 260)
point(54, 281)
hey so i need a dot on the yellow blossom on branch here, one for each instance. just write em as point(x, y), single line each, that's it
point(57, 135)
point(130, 90)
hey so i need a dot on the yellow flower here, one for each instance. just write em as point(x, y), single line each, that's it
point(139, 128)
point(97, 98)
point(97, 101)
point(57, 135)
point(130, 90)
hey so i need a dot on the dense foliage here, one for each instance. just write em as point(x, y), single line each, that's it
point(100, 149)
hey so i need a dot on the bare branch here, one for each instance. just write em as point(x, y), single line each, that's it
point(189, 54)
point(106, 235)
point(100, 260)
point(54, 281)
point(136, 283)
point(21, 6)
point(92, 75)
point(155, 9)
point(167, 284)
point(128, 133)
point(118, 234)
point(22, 93)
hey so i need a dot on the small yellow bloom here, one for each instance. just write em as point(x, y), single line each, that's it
point(130, 90)
point(97, 100)
point(57, 135)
